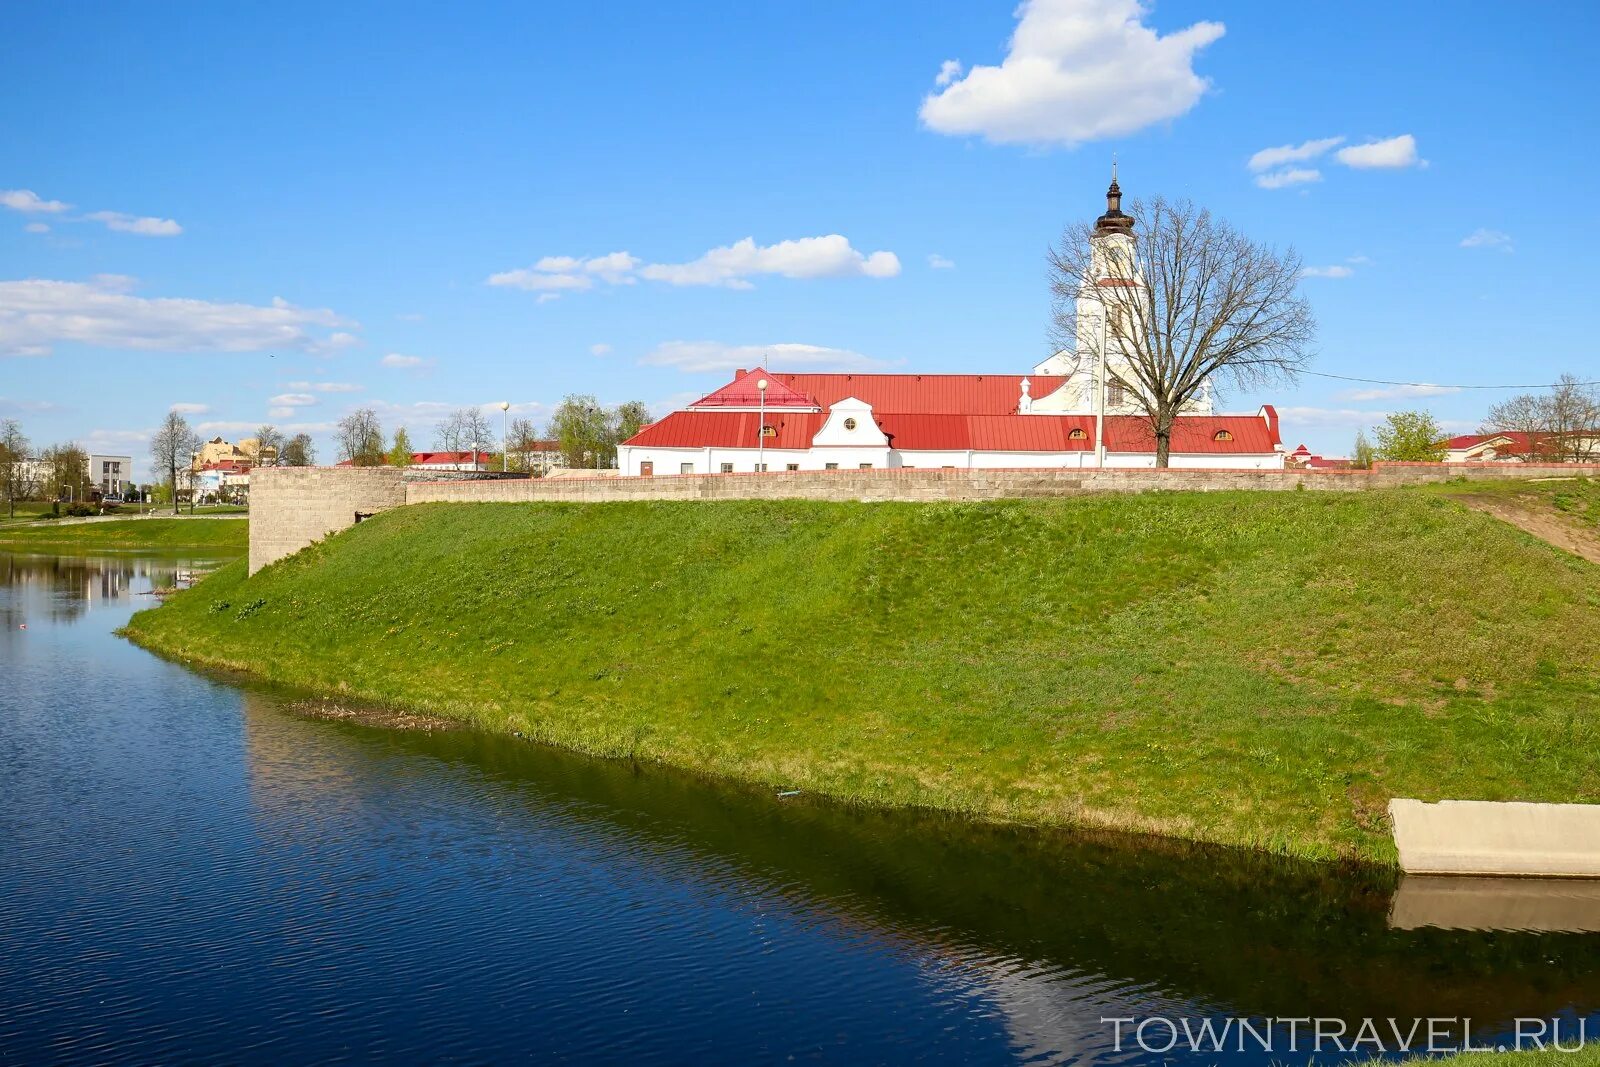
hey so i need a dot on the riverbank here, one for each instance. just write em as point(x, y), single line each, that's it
point(229, 535)
point(1256, 669)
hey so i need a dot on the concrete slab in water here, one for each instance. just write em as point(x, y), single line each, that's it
point(1488, 838)
point(1545, 905)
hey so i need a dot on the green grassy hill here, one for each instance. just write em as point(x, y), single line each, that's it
point(226, 535)
point(1265, 669)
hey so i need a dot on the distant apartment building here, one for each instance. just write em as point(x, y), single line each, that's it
point(111, 475)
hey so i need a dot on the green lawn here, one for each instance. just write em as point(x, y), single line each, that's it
point(228, 535)
point(1262, 669)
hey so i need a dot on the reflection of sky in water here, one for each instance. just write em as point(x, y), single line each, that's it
point(192, 873)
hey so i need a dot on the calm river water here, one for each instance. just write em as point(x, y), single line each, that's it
point(189, 871)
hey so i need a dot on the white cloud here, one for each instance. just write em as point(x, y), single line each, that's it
point(1336, 271)
point(809, 257)
point(1315, 416)
point(144, 226)
point(1359, 260)
point(1392, 153)
point(1268, 158)
point(1280, 179)
point(29, 202)
point(601, 349)
point(1077, 70)
point(36, 314)
point(938, 262)
point(293, 400)
point(395, 359)
point(239, 426)
point(949, 71)
point(1395, 392)
point(281, 413)
point(36, 227)
point(697, 356)
point(730, 266)
point(326, 387)
point(191, 409)
point(1482, 238)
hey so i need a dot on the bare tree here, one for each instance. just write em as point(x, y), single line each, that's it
point(13, 464)
point(1187, 300)
point(269, 446)
point(1562, 425)
point(173, 447)
point(523, 436)
point(298, 451)
point(465, 430)
point(360, 438)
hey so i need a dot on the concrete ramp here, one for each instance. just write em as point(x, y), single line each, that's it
point(1542, 905)
point(1487, 838)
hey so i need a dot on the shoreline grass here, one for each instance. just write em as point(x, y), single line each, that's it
point(1255, 669)
point(228, 534)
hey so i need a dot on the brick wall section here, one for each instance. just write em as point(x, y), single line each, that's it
point(290, 507)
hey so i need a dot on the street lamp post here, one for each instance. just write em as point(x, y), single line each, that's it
point(68, 488)
point(505, 438)
point(761, 429)
point(1100, 397)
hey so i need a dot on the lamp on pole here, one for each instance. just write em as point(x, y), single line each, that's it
point(761, 428)
point(1100, 395)
point(505, 438)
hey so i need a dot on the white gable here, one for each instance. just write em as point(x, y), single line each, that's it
point(850, 422)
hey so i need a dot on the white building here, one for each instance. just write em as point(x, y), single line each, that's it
point(1052, 418)
point(112, 475)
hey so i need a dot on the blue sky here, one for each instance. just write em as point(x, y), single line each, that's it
point(280, 213)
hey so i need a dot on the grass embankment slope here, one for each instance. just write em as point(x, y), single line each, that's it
point(1262, 669)
point(223, 535)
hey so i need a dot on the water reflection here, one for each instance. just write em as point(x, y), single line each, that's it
point(194, 872)
point(1054, 931)
point(65, 588)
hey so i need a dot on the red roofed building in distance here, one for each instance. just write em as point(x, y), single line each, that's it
point(779, 421)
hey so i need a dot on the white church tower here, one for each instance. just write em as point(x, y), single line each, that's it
point(1111, 300)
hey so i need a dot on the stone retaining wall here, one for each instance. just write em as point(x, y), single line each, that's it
point(920, 484)
point(290, 507)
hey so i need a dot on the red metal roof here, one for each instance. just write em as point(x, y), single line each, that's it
point(926, 394)
point(447, 457)
point(729, 429)
point(742, 393)
point(918, 432)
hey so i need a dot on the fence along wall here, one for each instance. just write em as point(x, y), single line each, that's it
point(291, 507)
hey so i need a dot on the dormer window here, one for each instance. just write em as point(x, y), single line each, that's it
point(1077, 434)
point(849, 424)
point(769, 431)
point(1222, 435)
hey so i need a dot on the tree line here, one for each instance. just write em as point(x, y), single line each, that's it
point(1560, 425)
point(583, 431)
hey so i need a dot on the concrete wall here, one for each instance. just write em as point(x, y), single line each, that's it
point(1484, 838)
point(290, 507)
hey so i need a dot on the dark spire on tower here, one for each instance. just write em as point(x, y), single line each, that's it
point(1113, 221)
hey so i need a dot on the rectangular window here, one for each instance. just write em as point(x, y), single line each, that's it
point(791, 466)
point(830, 466)
point(1113, 394)
point(727, 468)
point(866, 466)
point(761, 468)
point(686, 468)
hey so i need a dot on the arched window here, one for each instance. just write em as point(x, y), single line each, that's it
point(1077, 434)
point(1222, 435)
